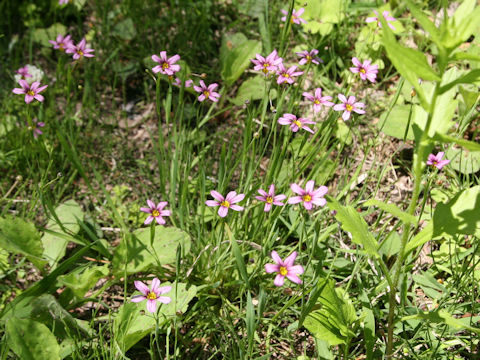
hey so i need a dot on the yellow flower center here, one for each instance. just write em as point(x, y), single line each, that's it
point(283, 271)
point(206, 93)
point(225, 203)
point(31, 93)
point(309, 58)
point(307, 198)
point(317, 102)
point(298, 123)
point(151, 295)
point(292, 19)
point(165, 66)
point(155, 213)
point(269, 200)
point(362, 71)
point(80, 52)
point(286, 75)
point(61, 47)
point(435, 162)
point(349, 107)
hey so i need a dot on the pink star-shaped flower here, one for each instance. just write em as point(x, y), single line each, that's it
point(152, 295)
point(284, 269)
point(310, 196)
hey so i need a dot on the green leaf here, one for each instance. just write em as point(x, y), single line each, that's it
point(20, 237)
point(443, 317)
point(447, 139)
point(466, 162)
point(426, 23)
point(68, 213)
point(460, 215)
point(322, 15)
point(421, 238)
point(235, 54)
point(251, 89)
point(352, 222)
point(133, 321)
point(31, 340)
point(82, 279)
point(125, 29)
point(334, 320)
point(134, 254)
point(392, 209)
point(397, 121)
point(469, 78)
point(42, 36)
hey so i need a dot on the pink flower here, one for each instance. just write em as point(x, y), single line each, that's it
point(287, 76)
point(348, 106)
point(35, 127)
point(318, 100)
point(156, 212)
point(153, 295)
point(366, 71)
point(31, 91)
point(270, 198)
point(167, 66)
point(61, 2)
point(309, 57)
point(207, 93)
point(80, 50)
point(436, 160)
point(387, 17)
point(270, 63)
point(295, 19)
point(62, 43)
point(295, 124)
point(309, 196)
point(178, 82)
point(225, 203)
point(284, 268)
point(23, 71)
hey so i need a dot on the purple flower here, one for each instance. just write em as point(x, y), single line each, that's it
point(287, 76)
point(347, 106)
point(178, 82)
point(387, 17)
point(309, 196)
point(156, 212)
point(295, 124)
point(284, 269)
point(270, 63)
point(207, 92)
point(318, 100)
point(23, 71)
point(436, 160)
point(309, 57)
point(270, 198)
point(167, 66)
point(152, 295)
point(35, 127)
point(31, 91)
point(225, 203)
point(80, 50)
point(366, 71)
point(295, 19)
point(62, 43)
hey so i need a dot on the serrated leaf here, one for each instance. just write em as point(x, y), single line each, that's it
point(134, 254)
point(131, 324)
point(352, 222)
point(31, 340)
point(69, 213)
point(21, 237)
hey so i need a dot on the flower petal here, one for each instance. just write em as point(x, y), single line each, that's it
point(138, 298)
point(279, 280)
point(290, 259)
point(164, 299)
point(141, 287)
point(222, 211)
point(152, 306)
point(271, 268)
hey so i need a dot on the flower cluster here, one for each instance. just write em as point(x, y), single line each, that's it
point(66, 44)
point(29, 73)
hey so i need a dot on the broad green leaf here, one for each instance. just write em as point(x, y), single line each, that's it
point(443, 317)
point(333, 322)
point(133, 321)
point(460, 215)
point(42, 36)
point(397, 121)
point(447, 139)
point(424, 21)
point(392, 209)
point(235, 55)
point(421, 238)
point(352, 222)
point(82, 279)
point(251, 89)
point(464, 22)
point(134, 254)
point(469, 78)
point(48, 311)
point(322, 15)
point(391, 245)
point(125, 29)
point(69, 213)
point(31, 340)
point(465, 56)
point(466, 162)
point(20, 237)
